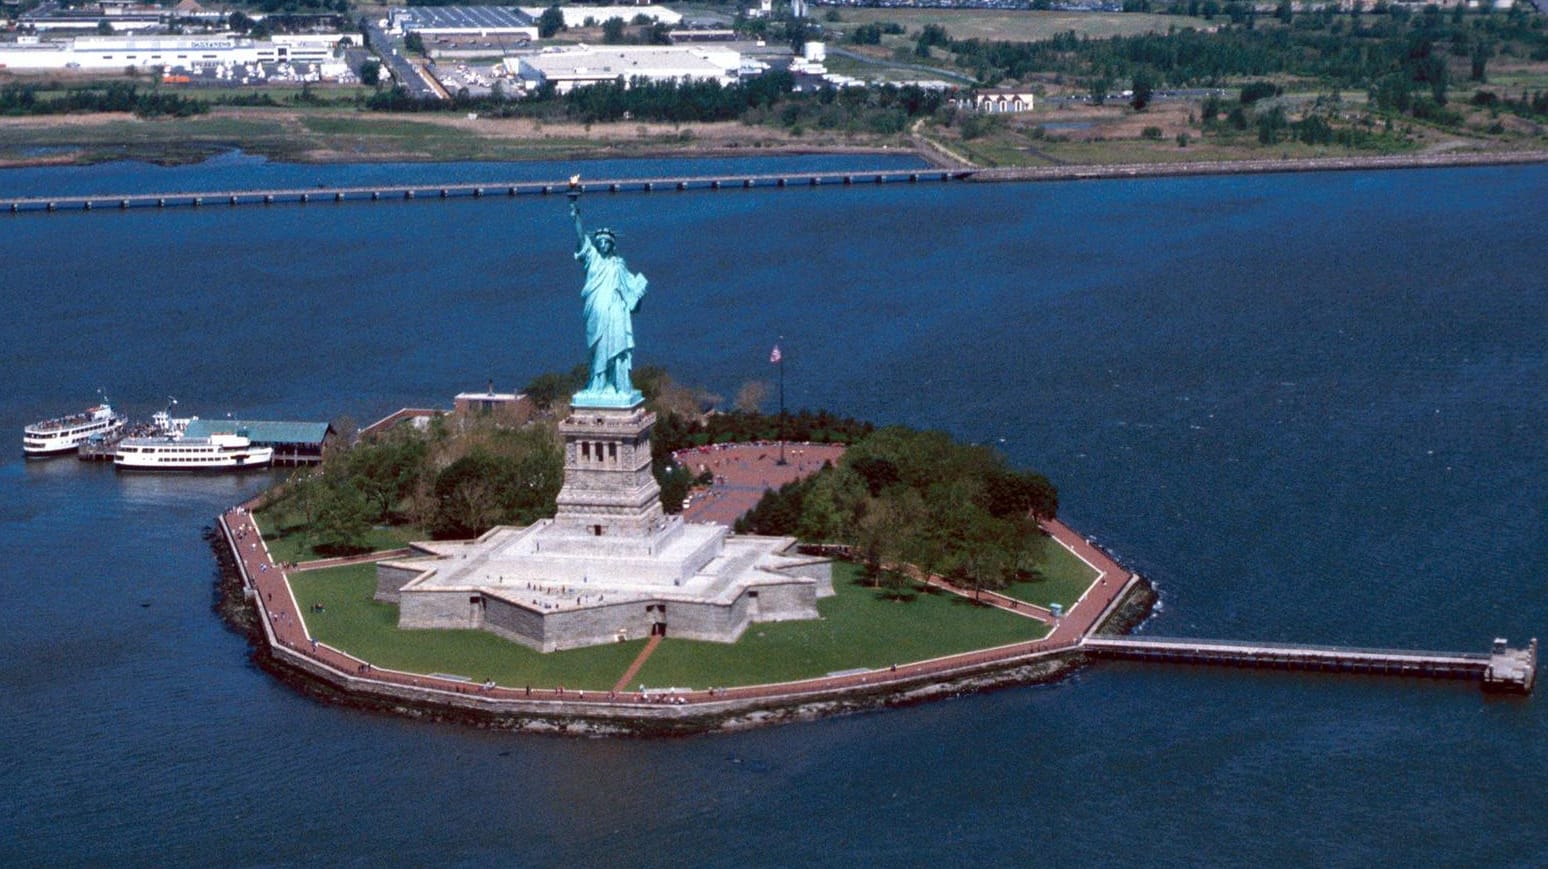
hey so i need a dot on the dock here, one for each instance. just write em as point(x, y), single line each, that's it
point(99, 450)
point(1501, 669)
point(399, 193)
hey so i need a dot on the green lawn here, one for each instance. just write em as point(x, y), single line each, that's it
point(1062, 578)
point(352, 621)
point(858, 629)
point(283, 532)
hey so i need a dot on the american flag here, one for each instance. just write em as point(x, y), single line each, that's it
point(774, 357)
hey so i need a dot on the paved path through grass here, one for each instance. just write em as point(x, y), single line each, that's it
point(639, 661)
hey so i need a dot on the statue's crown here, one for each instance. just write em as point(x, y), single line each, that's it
point(605, 232)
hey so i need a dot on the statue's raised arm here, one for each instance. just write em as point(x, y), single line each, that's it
point(580, 231)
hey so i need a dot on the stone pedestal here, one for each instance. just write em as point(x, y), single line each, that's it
point(609, 491)
point(611, 564)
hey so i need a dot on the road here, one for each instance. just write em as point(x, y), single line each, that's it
point(403, 72)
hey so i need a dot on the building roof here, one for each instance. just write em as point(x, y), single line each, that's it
point(262, 431)
point(462, 19)
point(657, 62)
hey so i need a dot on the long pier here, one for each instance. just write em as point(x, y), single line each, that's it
point(1501, 669)
point(392, 193)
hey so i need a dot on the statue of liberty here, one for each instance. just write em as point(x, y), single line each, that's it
point(610, 296)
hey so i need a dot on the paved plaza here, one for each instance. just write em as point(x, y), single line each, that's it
point(743, 472)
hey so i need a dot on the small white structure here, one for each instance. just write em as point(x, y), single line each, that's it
point(578, 67)
point(999, 100)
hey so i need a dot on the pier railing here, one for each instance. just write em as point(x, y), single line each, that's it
point(1501, 669)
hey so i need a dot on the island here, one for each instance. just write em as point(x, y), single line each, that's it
point(595, 555)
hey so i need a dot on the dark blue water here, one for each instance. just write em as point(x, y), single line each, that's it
point(1311, 407)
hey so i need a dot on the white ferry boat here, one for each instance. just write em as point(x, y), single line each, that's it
point(64, 434)
point(219, 452)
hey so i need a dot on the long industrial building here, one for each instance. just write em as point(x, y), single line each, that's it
point(192, 53)
point(573, 68)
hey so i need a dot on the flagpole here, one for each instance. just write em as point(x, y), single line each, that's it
point(779, 360)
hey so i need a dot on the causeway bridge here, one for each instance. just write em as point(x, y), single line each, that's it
point(382, 193)
point(1501, 669)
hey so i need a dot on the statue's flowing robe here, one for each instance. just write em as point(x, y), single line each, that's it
point(610, 295)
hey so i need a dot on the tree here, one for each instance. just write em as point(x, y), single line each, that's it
point(1482, 51)
point(1435, 72)
point(1143, 88)
point(548, 390)
point(550, 22)
point(674, 482)
point(613, 31)
point(1011, 494)
point(467, 500)
point(386, 470)
point(343, 521)
point(371, 73)
point(752, 395)
point(878, 473)
point(1098, 89)
point(866, 34)
point(1258, 90)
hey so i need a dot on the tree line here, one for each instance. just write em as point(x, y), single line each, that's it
point(26, 99)
point(1406, 61)
point(463, 474)
point(766, 99)
point(904, 497)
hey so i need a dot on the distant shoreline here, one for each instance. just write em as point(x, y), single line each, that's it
point(934, 156)
point(1281, 164)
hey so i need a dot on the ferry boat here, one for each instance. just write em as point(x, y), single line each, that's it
point(66, 433)
point(218, 452)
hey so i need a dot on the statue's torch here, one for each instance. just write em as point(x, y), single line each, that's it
point(575, 189)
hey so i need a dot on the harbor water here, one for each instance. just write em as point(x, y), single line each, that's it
point(1309, 407)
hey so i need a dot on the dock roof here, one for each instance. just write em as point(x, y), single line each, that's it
point(262, 431)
